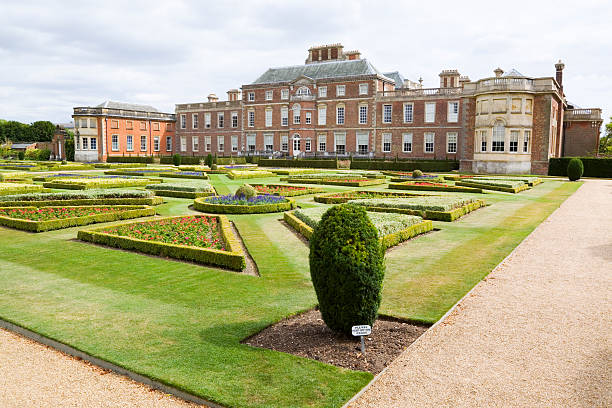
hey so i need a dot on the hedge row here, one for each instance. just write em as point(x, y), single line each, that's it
point(491, 187)
point(71, 167)
point(136, 173)
point(232, 258)
point(201, 205)
point(83, 186)
point(6, 189)
point(400, 165)
point(452, 189)
point(447, 216)
point(386, 241)
point(183, 194)
point(131, 159)
point(198, 159)
point(307, 163)
point(82, 202)
point(185, 176)
point(40, 226)
point(248, 174)
point(369, 182)
point(593, 166)
point(330, 199)
point(308, 190)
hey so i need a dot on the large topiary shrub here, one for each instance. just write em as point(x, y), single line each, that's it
point(209, 160)
point(575, 169)
point(247, 191)
point(417, 174)
point(347, 267)
point(176, 159)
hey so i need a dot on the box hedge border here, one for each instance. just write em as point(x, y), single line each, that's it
point(201, 205)
point(183, 194)
point(329, 199)
point(447, 216)
point(593, 166)
point(363, 183)
point(386, 241)
point(131, 159)
point(452, 189)
point(85, 202)
point(34, 188)
point(83, 186)
point(127, 212)
point(313, 190)
point(233, 258)
point(494, 188)
point(246, 175)
point(185, 176)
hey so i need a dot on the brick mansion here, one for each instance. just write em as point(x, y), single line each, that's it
point(339, 104)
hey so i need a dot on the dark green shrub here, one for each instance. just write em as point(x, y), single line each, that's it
point(44, 154)
point(246, 191)
point(347, 267)
point(417, 174)
point(21, 155)
point(593, 166)
point(575, 169)
point(176, 159)
point(213, 166)
point(129, 159)
point(209, 160)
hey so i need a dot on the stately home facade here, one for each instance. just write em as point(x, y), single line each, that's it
point(339, 104)
point(121, 129)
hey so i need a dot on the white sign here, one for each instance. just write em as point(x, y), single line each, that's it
point(362, 330)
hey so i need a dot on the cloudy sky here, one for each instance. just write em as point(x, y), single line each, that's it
point(55, 55)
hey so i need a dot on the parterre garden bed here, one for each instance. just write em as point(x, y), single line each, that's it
point(285, 191)
point(203, 189)
point(90, 183)
point(230, 204)
point(203, 239)
point(83, 197)
point(39, 219)
point(19, 188)
point(340, 181)
point(507, 186)
point(186, 175)
point(431, 186)
point(345, 196)
point(247, 174)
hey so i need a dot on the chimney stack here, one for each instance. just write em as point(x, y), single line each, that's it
point(212, 97)
point(559, 77)
point(233, 95)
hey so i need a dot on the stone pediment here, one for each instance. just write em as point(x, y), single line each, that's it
point(302, 80)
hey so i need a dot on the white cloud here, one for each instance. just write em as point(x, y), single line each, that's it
point(58, 54)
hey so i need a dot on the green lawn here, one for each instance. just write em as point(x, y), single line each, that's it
point(182, 323)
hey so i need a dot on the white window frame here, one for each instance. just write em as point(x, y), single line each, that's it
point(322, 143)
point(297, 114)
point(427, 144)
point(268, 142)
point(207, 120)
point(234, 119)
point(284, 143)
point(526, 141)
point(284, 94)
point(409, 113)
point(363, 89)
point(308, 118)
point(269, 95)
point(387, 141)
point(338, 137)
point(129, 143)
point(143, 138)
point(220, 143)
point(156, 143)
point(194, 120)
point(251, 137)
point(322, 115)
point(268, 117)
point(195, 143)
point(207, 143)
point(340, 115)
point(251, 118)
point(513, 143)
point(483, 141)
point(168, 143)
point(183, 121)
point(114, 143)
point(452, 116)
point(234, 141)
point(407, 142)
point(93, 143)
point(285, 116)
point(251, 96)
point(451, 142)
point(183, 143)
point(363, 136)
point(220, 120)
point(387, 113)
point(86, 143)
point(498, 138)
point(363, 114)
point(430, 112)
point(322, 92)
point(340, 90)
point(303, 91)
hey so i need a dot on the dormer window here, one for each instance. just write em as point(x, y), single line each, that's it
point(303, 91)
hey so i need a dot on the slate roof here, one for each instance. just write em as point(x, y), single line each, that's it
point(22, 145)
point(320, 70)
point(127, 106)
point(514, 73)
point(396, 77)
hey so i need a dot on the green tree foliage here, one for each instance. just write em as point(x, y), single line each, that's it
point(575, 169)
point(347, 268)
point(176, 159)
point(247, 191)
point(605, 143)
point(209, 160)
point(69, 146)
point(40, 131)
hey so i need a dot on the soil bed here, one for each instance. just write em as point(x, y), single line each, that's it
point(306, 335)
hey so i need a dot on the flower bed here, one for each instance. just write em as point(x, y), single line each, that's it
point(14, 175)
point(186, 174)
point(85, 197)
point(292, 171)
point(349, 182)
point(508, 186)
point(117, 165)
point(50, 218)
point(89, 183)
point(428, 186)
point(343, 197)
point(140, 172)
point(441, 208)
point(203, 189)
point(392, 228)
point(230, 204)
point(531, 181)
point(60, 167)
point(51, 177)
point(201, 238)
point(247, 174)
point(18, 166)
point(188, 167)
point(285, 191)
point(19, 188)
point(340, 174)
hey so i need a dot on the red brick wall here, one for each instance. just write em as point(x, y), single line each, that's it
point(124, 129)
point(581, 138)
point(468, 119)
point(542, 106)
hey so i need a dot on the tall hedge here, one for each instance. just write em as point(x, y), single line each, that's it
point(347, 268)
point(360, 164)
point(197, 159)
point(129, 159)
point(593, 166)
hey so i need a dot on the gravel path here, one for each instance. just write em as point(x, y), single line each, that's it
point(536, 333)
point(33, 375)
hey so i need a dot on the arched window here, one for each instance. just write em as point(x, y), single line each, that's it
point(499, 136)
point(303, 91)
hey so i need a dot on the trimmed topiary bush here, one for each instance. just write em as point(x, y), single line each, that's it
point(575, 169)
point(347, 268)
point(176, 159)
point(246, 191)
point(417, 174)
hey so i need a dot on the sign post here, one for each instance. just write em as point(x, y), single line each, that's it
point(362, 330)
